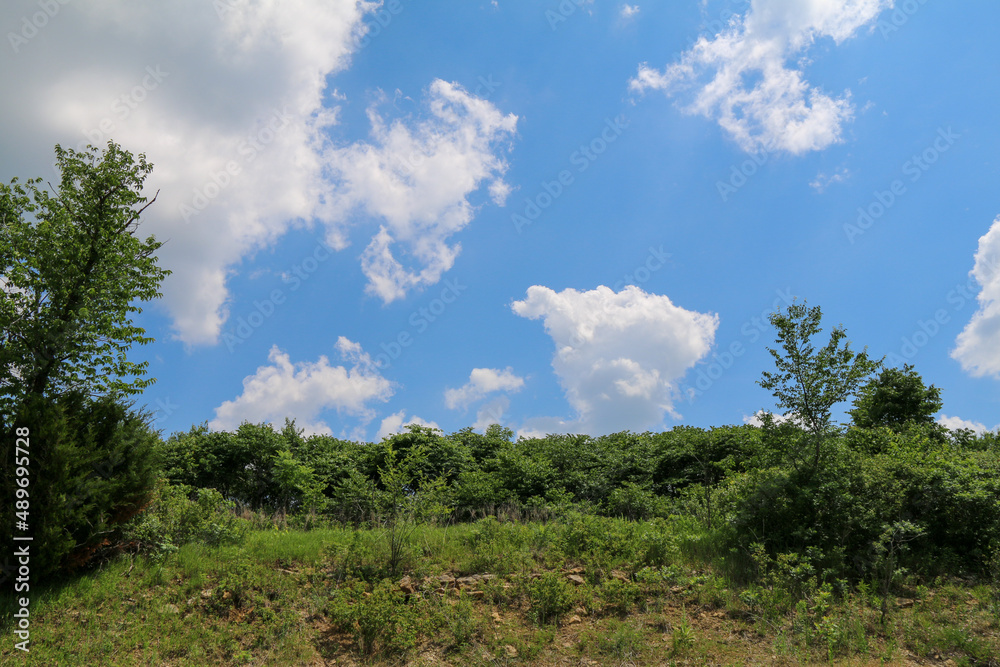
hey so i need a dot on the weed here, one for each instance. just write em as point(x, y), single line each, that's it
point(550, 598)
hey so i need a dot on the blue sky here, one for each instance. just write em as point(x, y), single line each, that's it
point(562, 217)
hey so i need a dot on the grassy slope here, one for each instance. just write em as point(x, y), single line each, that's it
point(294, 598)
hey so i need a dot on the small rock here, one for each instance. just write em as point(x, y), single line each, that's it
point(573, 620)
point(171, 609)
point(206, 594)
point(620, 576)
point(477, 595)
point(510, 651)
point(576, 580)
point(406, 585)
point(497, 617)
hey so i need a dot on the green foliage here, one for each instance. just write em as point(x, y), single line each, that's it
point(178, 515)
point(260, 467)
point(91, 469)
point(74, 272)
point(838, 514)
point(496, 547)
point(621, 596)
point(297, 486)
point(407, 497)
point(382, 624)
point(809, 382)
point(622, 640)
point(895, 398)
point(549, 598)
point(634, 502)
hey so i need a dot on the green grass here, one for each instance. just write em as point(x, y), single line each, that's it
point(610, 591)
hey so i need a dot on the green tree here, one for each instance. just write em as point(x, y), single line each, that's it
point(895, 398)
point(809, 382)
point(72, 273)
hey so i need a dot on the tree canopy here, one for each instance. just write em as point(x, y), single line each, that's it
point(895, 398)
point(809, 382)
point(73, 271)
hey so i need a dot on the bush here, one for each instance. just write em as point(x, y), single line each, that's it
point(179, 514)
point(634, 502)
point(550, 598)
point(838, 512)
point(91, 468)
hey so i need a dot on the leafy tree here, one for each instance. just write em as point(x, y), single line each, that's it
point(895, 398)
point(72, 271)
point(809, 382)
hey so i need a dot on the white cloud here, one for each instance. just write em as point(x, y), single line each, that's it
point(824, 180)
point(628, 12)
point(418, 180)
point(618, 355)
point(758, 418)
point(957, 423)
point(396, 423)
point(305, 390)
point(978, 346)
point(741, 77)
point(230, 101)
point(482, 381)
point(491, 412)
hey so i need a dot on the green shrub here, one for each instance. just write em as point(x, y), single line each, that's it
point(496, 547)
point(838, 513)
point(620, 596)
point(380, 620)
point(550, 598)
point(635, 502)
point(179, 515)
point(91, 469)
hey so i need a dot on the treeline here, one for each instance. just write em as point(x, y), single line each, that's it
point(629, 474)
point(924, 496)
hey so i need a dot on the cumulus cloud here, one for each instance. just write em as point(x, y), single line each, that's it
point(396, 423)
point(230, 101)
point(742, 77)
point(305, 390)
point(957, 423)
point(482, 381)
point(618, 354)
point(417, 178)
point(978, 346)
